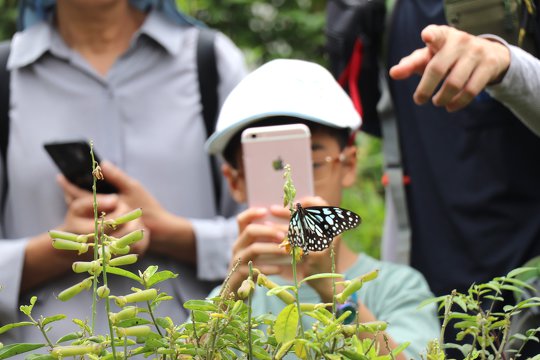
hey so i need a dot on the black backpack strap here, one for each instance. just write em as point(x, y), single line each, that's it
point(208, 85)
point(4, 118)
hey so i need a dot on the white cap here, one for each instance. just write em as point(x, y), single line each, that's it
point(284, 87)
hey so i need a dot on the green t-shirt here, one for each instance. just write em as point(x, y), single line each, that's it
point(393, 297)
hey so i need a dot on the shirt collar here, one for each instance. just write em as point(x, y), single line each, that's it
point(166, 33)
point(29, 45)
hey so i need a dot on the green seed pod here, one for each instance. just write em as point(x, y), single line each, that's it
point(124, 260)
point(103, 291)
point(57, 234)
point(81, 266)
point(355, 285)
point(62, 244)
point(74, 350)
point(139, 296)
point(284, 295)
point(138, 330)
point(119, 251)
point(246, 289)
point(107, 253)
point(75, 289)
point(129, 312)
point(132, 215)
point(369, 327)
point(129, 239)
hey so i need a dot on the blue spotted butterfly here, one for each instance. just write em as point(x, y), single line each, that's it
point(313, 228)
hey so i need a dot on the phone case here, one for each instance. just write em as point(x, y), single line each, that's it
point(74, 161)
point(266, 150)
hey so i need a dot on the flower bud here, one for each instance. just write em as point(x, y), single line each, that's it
point(75, 289)
point(103, 291)
point(124, 260)
point(246, 289)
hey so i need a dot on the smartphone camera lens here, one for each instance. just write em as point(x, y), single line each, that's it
point(253, 136)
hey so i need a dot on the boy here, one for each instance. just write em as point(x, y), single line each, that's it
point(294, 91)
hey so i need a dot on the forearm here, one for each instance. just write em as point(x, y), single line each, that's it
point(42, 262)
point(175, 238)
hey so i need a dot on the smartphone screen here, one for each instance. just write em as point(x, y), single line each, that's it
point(75, 162)
point(266, 151)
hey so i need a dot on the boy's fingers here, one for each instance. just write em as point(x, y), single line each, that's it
point(248, 216)
point(258, 233)
point(116, 177)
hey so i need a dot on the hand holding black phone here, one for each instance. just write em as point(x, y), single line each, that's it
point(75, 162)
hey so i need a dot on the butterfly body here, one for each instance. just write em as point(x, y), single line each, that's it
point(313, 228)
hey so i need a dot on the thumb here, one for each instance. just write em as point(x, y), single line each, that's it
point(115, 176)
point(435, 36)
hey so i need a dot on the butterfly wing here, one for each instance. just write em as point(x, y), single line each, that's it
point(314, 228)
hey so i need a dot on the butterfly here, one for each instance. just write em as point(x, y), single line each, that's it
point(313, 228)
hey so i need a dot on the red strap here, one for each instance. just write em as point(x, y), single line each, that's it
point(385, 180)
point(351, 74)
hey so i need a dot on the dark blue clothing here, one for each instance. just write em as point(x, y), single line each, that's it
point(474, 197)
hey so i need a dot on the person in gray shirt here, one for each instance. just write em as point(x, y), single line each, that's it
point(125, 77)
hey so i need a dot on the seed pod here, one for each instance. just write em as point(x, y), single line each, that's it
point(129, 239)
point(132, 215)
point(75, 289)
point(355, 285)
point(284, 295)
point(138, 330)
point(75, 350)
point(129, 312)
point(119, 251)
point(139, 296)
point(124, 260)
point(57, 234)
point(62, 244)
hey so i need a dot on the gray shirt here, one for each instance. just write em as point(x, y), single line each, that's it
point(520, 87)
point(144, 116)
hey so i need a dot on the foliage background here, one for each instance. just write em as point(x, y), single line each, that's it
point(271, 29)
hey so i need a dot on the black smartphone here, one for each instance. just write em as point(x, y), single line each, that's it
point(75, 162)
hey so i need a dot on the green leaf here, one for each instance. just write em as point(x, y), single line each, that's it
point(400, 348)
point(16, 349)
point(159, 277)
point(70, 336)
point(322, 276)
point(431, 301)
point(54, 318)
point(286, 325)
point(40, 357)
point(132, 322)
point(7, 327)
point(150, 271)
point(165, 322)
point(124, 273)
point(201, 305)
point(27, 309)
point(519, 271)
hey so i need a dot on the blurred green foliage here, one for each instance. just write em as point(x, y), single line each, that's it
point(271, 29)
point(8, 15)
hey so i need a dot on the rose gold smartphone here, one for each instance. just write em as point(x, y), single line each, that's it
point(266, 151)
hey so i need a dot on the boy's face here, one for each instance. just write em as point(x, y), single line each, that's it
point(333, 170)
